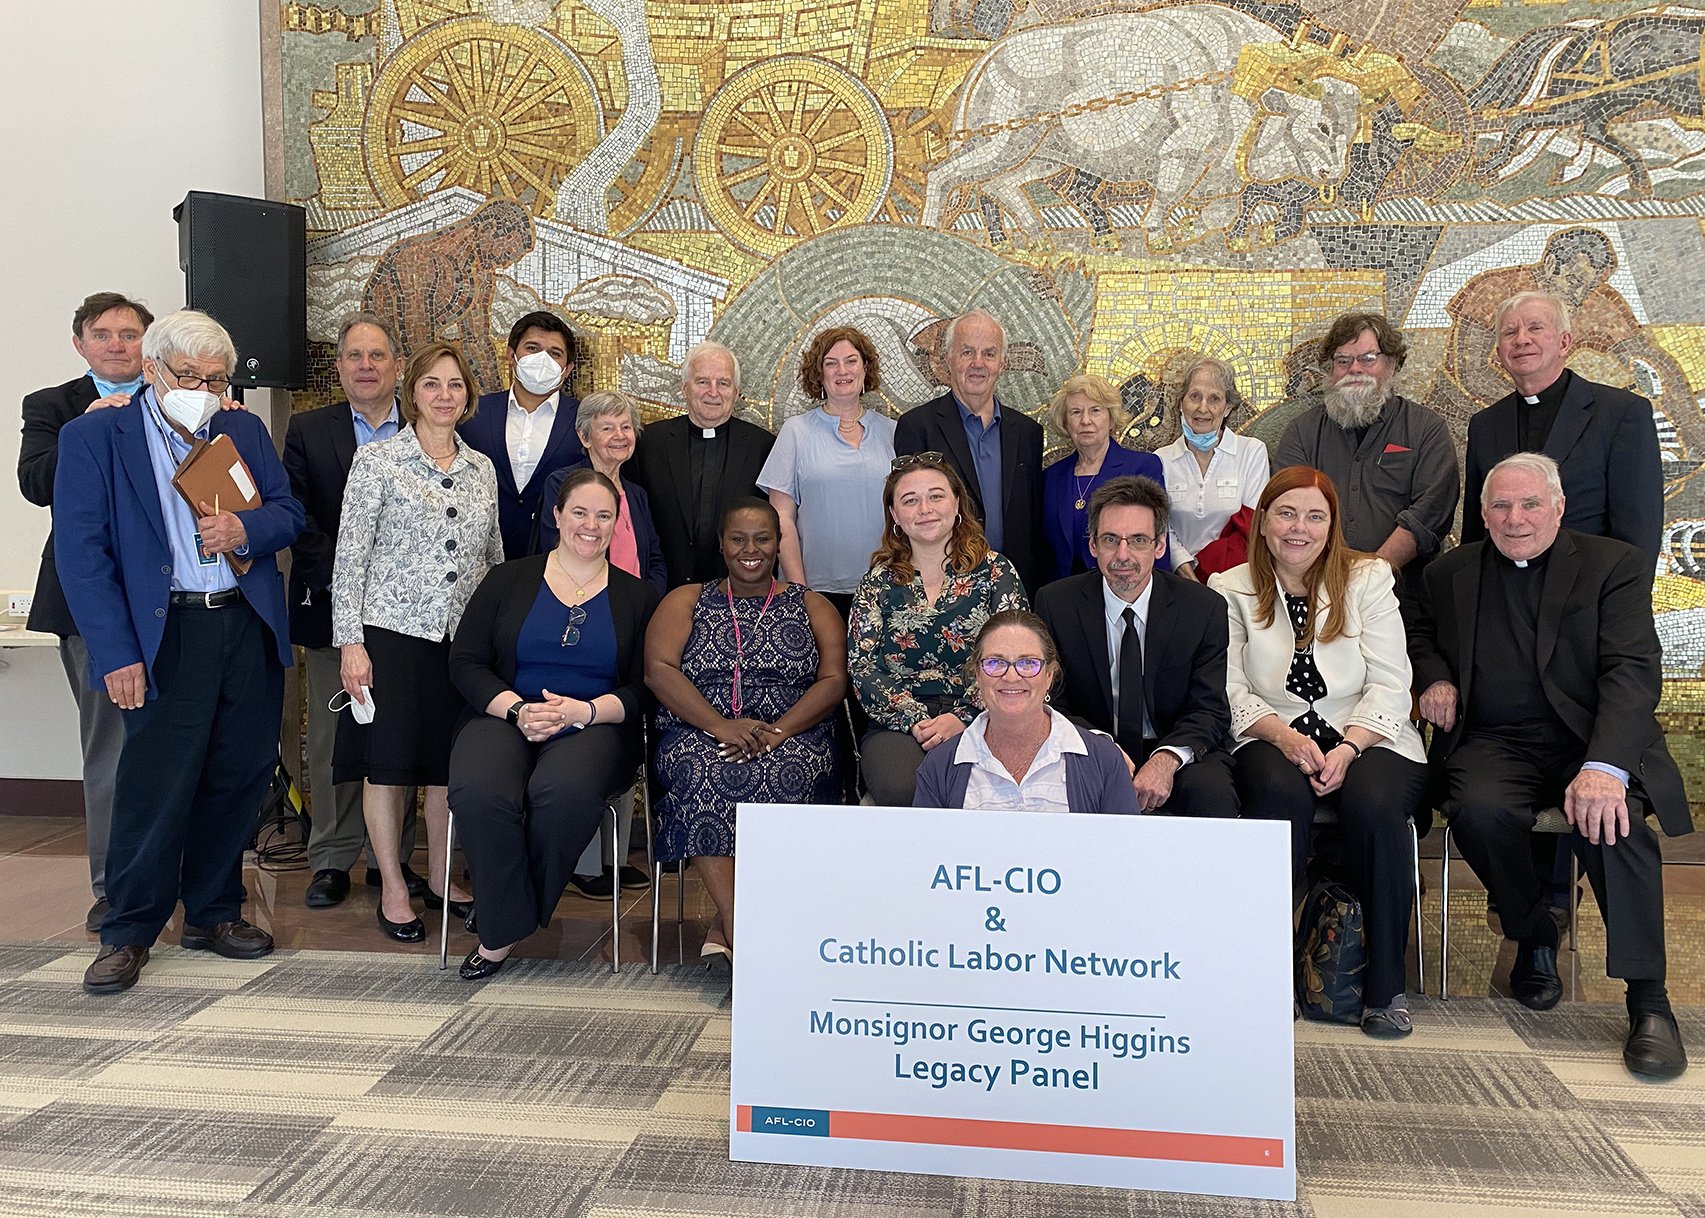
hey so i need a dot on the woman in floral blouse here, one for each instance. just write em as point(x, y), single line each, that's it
point(916, 614)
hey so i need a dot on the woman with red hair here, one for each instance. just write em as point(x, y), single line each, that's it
point(1317, 672)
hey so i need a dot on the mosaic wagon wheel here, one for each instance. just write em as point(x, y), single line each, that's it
point(789, 148)
point(1444, 143)
point(502, 110)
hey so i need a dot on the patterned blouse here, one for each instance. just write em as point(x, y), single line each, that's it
point(415, 541)
point(903, 654)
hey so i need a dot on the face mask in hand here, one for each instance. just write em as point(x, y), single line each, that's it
point(190, 408)
point(538, 372)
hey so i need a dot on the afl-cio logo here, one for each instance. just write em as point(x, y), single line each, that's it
point(252, 363)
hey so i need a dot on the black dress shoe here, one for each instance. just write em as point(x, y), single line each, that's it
point(476, 967)
point(116, 968)
point(416, 882)
point(235, 940)
point(593, 887)
point(328, 887)
point(458, 909)
point(632, 877)
point(1533, 978)
point(96, 915)
point(1654, 1047)
point(412, 931)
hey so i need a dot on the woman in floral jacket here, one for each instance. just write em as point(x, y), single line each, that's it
point(915, 617)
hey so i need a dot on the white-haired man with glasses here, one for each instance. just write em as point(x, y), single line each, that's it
point(191, 650)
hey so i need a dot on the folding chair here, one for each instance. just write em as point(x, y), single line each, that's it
point(1549, 820)
point(1327, 815)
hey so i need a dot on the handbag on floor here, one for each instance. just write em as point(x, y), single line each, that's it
point(1331, 955)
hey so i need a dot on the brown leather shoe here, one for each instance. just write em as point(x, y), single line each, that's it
point(115, 969)
point(236, 940)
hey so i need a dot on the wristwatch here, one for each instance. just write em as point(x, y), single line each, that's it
point(513, 714)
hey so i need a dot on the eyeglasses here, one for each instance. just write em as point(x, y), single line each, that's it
point(1366, 359)
point(213, 384)
point(996, 666)
point(1138, 542)
point(911, 459)
point(576, 618)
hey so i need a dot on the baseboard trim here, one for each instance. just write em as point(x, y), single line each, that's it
point(41, 797)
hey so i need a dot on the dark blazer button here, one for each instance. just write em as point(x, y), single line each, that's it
point(159, 613)
point(449, 577)
point(447, 483)
point(450, 512)
point(450, 545)
point(166, 570)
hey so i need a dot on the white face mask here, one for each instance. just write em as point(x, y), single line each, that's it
point(538, 372)
point(189, 408)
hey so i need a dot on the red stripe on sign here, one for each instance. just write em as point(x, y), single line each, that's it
point(1055, 1139)
point(743, 1118)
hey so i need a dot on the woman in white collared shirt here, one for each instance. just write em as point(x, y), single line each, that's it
point(1211, 472)
point(1317, 672)
point(1018, 754)
point(420, 530)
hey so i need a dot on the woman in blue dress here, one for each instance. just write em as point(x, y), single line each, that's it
point(1087, 411)
point(747, 670)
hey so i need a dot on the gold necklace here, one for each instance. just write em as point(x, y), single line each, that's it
point(580, 592)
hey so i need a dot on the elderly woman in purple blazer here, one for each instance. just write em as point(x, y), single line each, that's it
point(1087, 410)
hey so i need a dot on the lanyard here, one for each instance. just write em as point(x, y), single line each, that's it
point(734, 700)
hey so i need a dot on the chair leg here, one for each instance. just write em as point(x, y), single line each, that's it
point(1574, 894)
point(651, 864)
point(449, 857)
point(1444, 920)
point(1415, 868)
point(615, 897)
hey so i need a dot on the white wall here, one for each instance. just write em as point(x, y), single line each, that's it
point(110, 112)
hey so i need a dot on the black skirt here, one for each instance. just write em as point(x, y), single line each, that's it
point(416, 709)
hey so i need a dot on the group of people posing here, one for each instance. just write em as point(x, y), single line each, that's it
point(496, 594)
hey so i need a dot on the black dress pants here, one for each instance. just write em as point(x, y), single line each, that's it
point(525, 812)
point(1495, 790)
point(195, 766)
point(1382, 790)
point(1202, 788)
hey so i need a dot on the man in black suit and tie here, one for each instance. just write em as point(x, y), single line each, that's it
point(694, 465)
point(107, 332)
point(528, 429)
point(1603, 439)
point(997, 452)
point(1143, 654)
point(318, 449)
point(1538, 662)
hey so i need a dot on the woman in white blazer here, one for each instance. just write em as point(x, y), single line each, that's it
point(1318, 677)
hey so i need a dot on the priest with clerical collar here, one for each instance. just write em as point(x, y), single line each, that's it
point(1537, 708)
point(1603, 438)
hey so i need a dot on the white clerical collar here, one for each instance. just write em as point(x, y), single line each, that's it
point(1530, 399)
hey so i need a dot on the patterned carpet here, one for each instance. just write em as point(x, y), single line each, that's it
point(332, 1084)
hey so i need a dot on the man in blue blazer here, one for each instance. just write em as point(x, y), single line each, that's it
point(997, 451)
point(528, 429)
point(191, 651)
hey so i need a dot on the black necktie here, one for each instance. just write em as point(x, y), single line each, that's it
point(1131, 688)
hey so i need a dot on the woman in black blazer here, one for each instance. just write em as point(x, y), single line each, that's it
point(550, 656)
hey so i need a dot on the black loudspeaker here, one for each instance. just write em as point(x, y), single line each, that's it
point(245, 261)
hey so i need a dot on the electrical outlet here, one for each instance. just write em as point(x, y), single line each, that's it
point(18, 603)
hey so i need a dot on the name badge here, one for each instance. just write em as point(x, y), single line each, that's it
point(202, 557)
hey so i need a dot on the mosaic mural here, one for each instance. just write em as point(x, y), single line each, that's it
point(1121, 183)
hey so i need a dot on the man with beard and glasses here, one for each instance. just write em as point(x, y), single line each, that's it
point(1391, 459)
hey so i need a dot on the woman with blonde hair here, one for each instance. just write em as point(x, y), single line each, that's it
point(1088, 412)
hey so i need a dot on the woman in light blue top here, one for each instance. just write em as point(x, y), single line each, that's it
point(826, 471)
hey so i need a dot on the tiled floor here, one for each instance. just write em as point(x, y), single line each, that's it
point(44, 896)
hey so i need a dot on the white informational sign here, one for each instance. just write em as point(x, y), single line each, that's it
point(1073, 998)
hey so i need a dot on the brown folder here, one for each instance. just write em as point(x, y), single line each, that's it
point(215, 473)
